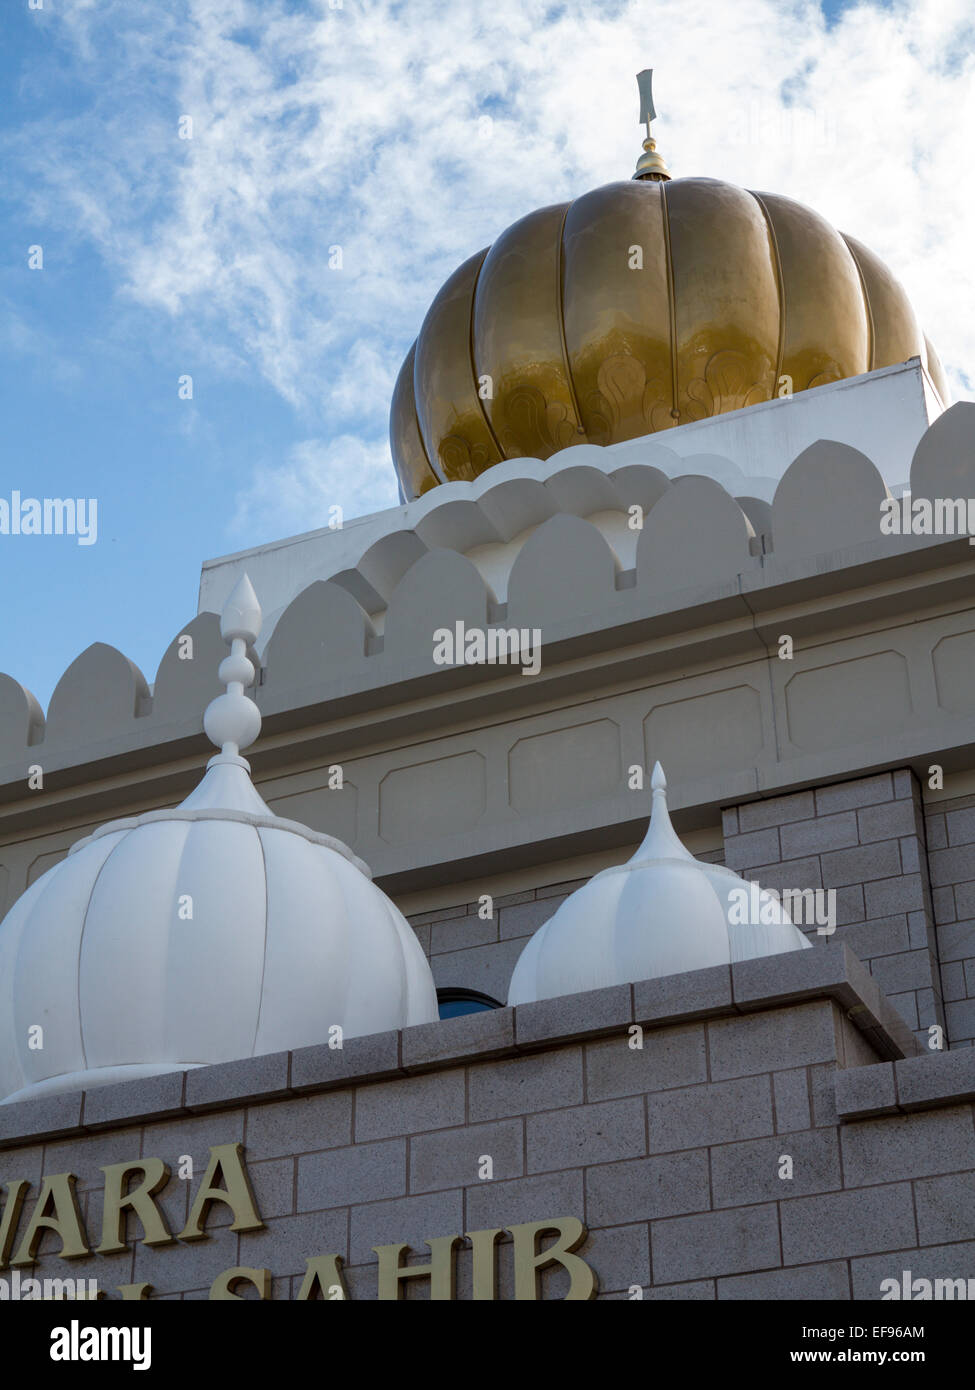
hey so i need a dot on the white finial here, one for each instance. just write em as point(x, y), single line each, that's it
point(233, 721)
point(661, 840)
point(241, 616)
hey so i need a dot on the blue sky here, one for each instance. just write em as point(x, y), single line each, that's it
point(408, 135)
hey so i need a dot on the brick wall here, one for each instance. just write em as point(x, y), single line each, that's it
point(951, 857)
point(865, 839)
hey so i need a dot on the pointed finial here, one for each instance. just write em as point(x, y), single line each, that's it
point(650, 166)
point(232, 721)
point(661, 840)
point(241, 616)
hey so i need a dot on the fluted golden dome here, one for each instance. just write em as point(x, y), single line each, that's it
point(640, 306)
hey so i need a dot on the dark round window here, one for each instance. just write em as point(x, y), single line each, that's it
point(454, 1002)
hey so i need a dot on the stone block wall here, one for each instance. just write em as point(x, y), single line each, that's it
point(468, 951)
point(671, 1154)
point(951, 857)
point(866, 839)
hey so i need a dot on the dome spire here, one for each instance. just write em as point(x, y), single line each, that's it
point(650, 166)
point(661, 913)
point(232, 721)
point(661, 840)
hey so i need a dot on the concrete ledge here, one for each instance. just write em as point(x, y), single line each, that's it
point(864, 1091)
point(827, 972)
point(372, 1058)
point(680, 998)
point(490, 1033)
point(914, 1083)
point(940, 1078)
point(832, 970)
point(226, 1082)
point(569, 1016)
point(152, 1097)
point(41, 1118)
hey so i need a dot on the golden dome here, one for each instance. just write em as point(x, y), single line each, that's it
point(642, 305)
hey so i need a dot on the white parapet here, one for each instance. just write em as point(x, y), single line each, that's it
point(883, 414)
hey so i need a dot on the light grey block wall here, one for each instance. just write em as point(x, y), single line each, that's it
point(951, 855)
point(672, 1154)
point(470, 951)
point(866, 839)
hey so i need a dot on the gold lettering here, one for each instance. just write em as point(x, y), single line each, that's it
point(12, 1207)
point(440, 1270)
point(530, 1261)
point(57, 1192)
point(323, 1276)
point(484, 1245)
point(223, 1286)
point(155, 1175)
point(226, 1162)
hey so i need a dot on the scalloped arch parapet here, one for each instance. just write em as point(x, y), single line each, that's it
point(184, 686)
point(695, 535)
point(381, 568)
point(100, 693)
point(550, 538)
point(719, 468)
point(441, 589)
point(21, 719)
point(319, 632)
point(563, 569)
point(514, 504)
point(581, 490)
point(828, 500)
point(459, 525)
point(640, 485)
point(759, 514)
point(944, 460)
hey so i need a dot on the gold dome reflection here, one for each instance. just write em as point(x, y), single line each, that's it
point(642, 305)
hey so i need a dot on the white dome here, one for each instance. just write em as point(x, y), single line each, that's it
point(661, 913)
point(209, 933)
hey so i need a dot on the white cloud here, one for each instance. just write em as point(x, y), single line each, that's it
point(361, 127)
point(284, 499)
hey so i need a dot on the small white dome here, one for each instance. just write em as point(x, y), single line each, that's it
point(661, 913)
point(208, 933)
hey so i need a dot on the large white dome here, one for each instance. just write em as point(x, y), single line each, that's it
point(661, 913)
point(208, 933)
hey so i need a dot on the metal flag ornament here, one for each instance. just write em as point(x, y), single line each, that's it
point(645, 83)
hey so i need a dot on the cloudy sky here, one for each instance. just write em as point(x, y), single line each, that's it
point(408, 133)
